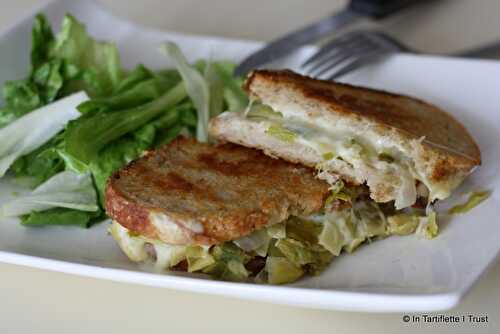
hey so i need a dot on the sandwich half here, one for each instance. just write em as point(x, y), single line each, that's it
point(401, 148)
point(237, 214)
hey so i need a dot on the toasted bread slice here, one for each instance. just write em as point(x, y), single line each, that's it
point(189, 193)
point(422, 143)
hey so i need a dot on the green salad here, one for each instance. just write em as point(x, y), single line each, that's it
point(79, 115)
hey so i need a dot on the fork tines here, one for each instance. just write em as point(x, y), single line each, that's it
point(348, 53)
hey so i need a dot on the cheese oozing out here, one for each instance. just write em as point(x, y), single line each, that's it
point(334, 142)
point(165, 256)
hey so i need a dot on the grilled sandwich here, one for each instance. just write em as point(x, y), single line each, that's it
point(312, 169)
point(400, 147)
point(237, 214)
point(218, 210)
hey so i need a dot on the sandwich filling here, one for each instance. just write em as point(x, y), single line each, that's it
point(284, 252)
point(340, 148)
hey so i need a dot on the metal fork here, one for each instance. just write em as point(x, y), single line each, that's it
point(355, 49)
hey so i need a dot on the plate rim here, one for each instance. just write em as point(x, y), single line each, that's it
point(330, 299)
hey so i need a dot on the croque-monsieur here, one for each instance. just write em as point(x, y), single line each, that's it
point(356, 165)
point(236, 214)
point(175, 203)
point(399, 146)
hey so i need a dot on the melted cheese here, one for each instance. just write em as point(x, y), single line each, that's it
point(357, 150)
point(134, 247)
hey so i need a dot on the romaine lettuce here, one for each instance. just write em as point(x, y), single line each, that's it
point(38, 166)
point(32, 130)
point(196, 87)
point(69, 62)
point(98, 62)
point(85, 137)
point(64, 190)
point(61, 216)
point(236, 99)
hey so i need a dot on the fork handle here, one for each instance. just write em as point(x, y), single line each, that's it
point(380, 8)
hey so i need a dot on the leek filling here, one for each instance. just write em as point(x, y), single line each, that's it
point(284, 252)
point(334, 144)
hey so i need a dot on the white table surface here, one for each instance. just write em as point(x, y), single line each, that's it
point(37, 301)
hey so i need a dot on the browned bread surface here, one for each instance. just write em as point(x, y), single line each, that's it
point(430, 142)
point(209, 194)
point(410, 117)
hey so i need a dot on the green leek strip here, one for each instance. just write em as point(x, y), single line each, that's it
point(474, 200)
point(281, 133)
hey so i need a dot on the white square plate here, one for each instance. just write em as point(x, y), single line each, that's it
point(397, 274)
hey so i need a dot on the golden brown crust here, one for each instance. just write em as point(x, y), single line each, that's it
point(228, 190)
point(409, 116)
point(440, 146)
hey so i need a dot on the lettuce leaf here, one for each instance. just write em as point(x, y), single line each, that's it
point(236, 99)
point(69, 62)
point(23, 95)
point(216, 90)
point(42, 39)
point(196, 87)
point(60, 216)
point(38, 166)
point(98, 62)
point(88, 135)
point(31, 131)
point(139, 87)
point(64, 190)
